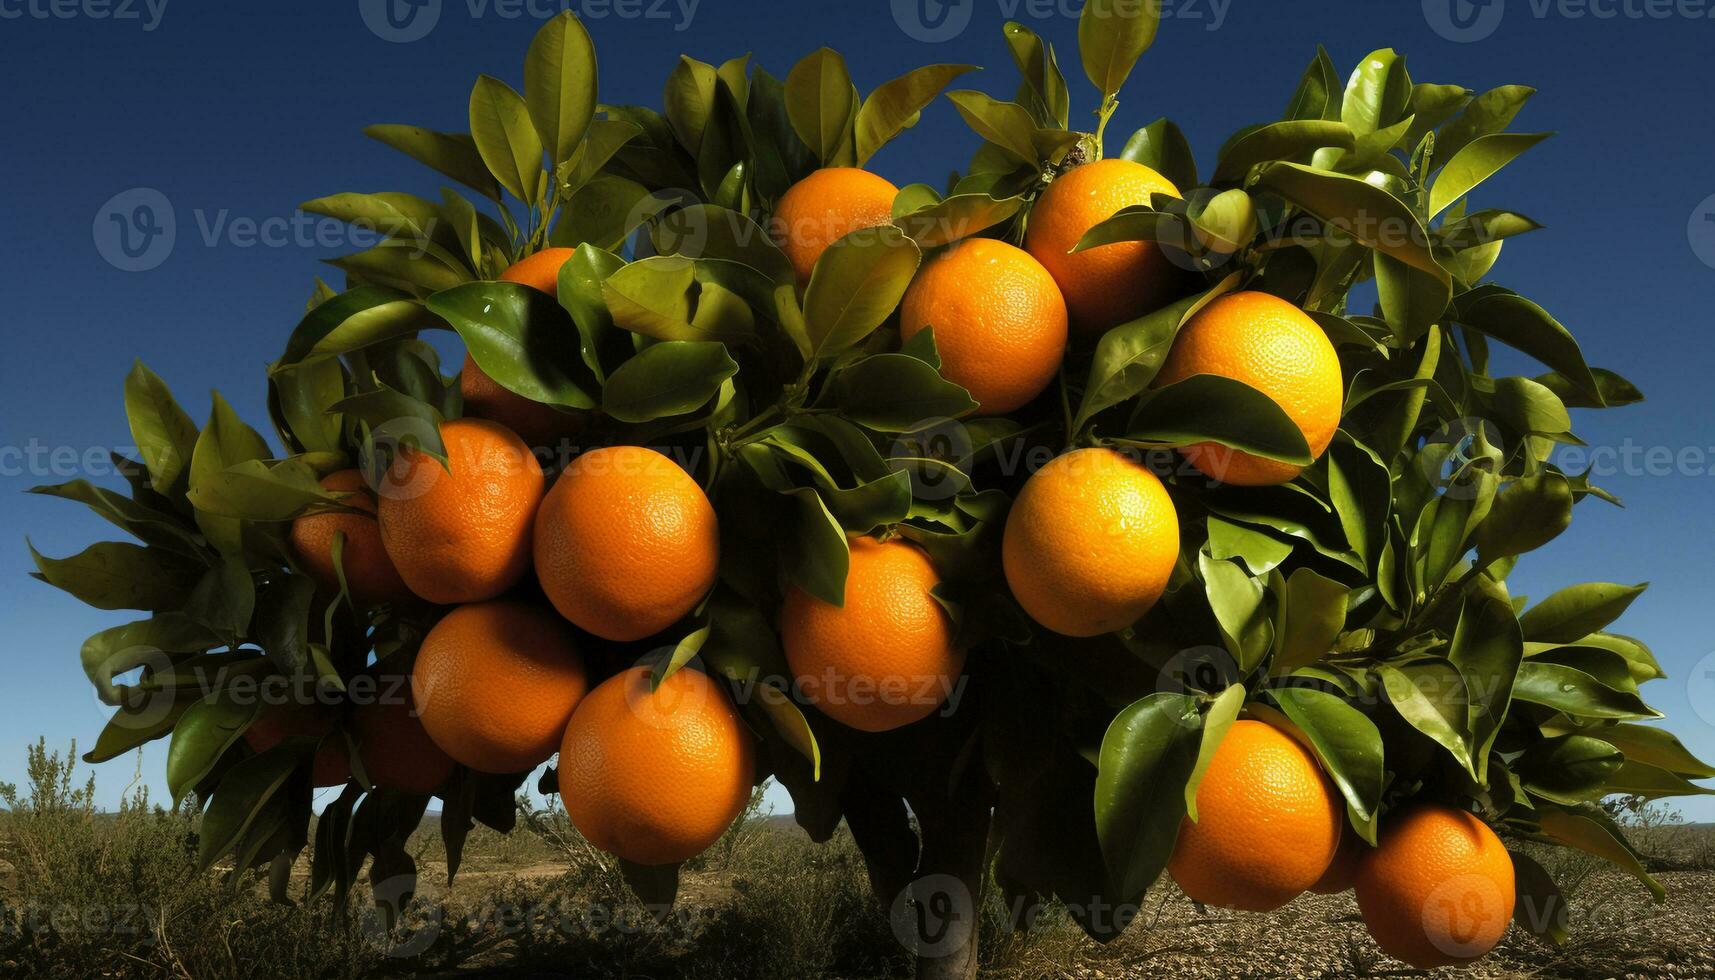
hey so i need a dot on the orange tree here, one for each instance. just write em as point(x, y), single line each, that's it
point(1255, 575)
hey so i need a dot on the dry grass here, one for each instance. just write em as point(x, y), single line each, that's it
point(86, 894)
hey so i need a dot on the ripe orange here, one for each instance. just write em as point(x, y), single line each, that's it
point(541, 270)
point(825, 207)
point(999, 321)
point(1439, 888)
point(884, 659)
point(1114, 283)
point(369, 573)
point(495, 683)
point(1090, 543)
point(1343, 870)
point(461, 533)
point(655, 777)
point(1276, 348)
point(331, 766)
point(1268, 823)
point(626, 543)
point(394, 747)
point(540, 426)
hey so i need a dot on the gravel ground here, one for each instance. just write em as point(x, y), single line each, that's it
point(1618, 932)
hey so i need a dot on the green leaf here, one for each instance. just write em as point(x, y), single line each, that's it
point(689, 101)
point(1526, 515)
point(652, 297)
point(148, 525)
point(705, 231)
point(603, 140)
point(243, 793)
point(1590, 830)
point(1314, 97)
point(1161, 147)
point(1540, 908)
point(1237, 601)
point(1223, 711)
point(1150, 747)
point(1476, 162)
point(1654, 747)
point(960, 216)
point(1650, 782)
point(1310, 615)
point(683, 653)
point(789, 722)
point(403, 265)
point(1261, 552)
point(261, 491)
point(897, 393)
point(1488, 113)
point(1348, 744)
point(1412, 300)
point(670, 378)
point(560, 84)
point(1279, 141)
point(225, 442)
point(1567, 769)
point(1487, 650)
point(306, 392)
point(353, 320)
point(1377, 93)
point(1577, 693)
point(389, 214)
point(1572, 613)
point(604, 212)
point(1431, 696)
point(1112, 35)
point(454, 155)
point(1042, 88)
point(1005, 124)
point(1209, 408)
point(1613, 390)
point(822, 106)
point(522, 338)
point(856, 285)
point(121, 649)
point(1369, 215)
point(821, 552)
point(894, 106)
point(1519, 323)
point(1360, 489)
point(165, 435)
point(1432, 105)
point(505, 137)
point(1129, 356)
point(205, 731)
point(1483, 228)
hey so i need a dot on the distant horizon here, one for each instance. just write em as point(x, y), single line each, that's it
point(236, 115)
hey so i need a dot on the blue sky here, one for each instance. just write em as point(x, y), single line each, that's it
point(236, 113)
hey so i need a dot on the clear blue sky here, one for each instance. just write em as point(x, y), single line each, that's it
point(238, 112)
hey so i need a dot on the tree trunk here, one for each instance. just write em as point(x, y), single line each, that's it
point(948, 889)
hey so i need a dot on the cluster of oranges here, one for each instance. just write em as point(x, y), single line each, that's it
point(1094, 535)
point(1438, 890)
point(624, 544)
